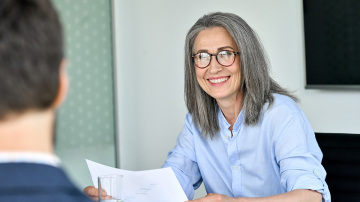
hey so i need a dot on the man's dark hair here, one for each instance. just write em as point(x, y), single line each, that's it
point(31, 50)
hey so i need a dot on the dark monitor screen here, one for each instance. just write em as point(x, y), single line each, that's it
point(332, 43)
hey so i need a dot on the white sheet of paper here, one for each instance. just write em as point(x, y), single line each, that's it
point(159, 185)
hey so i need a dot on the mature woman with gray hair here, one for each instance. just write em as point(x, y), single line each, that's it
point(244, 137)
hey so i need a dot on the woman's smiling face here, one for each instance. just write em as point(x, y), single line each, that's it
point(221, 83)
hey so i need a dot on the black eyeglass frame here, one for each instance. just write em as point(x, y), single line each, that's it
point(215, 54)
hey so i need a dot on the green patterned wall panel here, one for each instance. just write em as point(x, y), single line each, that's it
point(86, 125)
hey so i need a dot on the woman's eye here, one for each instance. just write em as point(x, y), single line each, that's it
point(203, 56)
point(225, 53)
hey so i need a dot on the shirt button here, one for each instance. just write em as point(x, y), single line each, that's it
point(235, 167)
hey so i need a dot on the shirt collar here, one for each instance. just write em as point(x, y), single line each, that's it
point(224, 124)
point(29, 157)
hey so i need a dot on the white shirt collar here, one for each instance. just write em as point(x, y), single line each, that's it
point(29, 157)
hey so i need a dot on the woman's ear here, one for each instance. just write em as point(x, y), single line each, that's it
point(63, 85)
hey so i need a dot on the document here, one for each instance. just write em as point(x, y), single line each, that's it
point(159, 185)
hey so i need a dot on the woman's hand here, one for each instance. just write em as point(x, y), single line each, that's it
point(214, 197)
point(93, 193)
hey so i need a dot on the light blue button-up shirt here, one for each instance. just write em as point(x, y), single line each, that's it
point(278, 154)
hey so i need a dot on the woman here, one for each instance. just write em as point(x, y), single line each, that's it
point(244, 137)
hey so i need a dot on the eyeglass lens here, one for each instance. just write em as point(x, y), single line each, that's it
point(224, 58)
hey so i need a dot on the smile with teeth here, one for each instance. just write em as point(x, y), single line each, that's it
point(219, 80)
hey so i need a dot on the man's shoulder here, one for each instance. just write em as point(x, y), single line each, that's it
point(36, 182)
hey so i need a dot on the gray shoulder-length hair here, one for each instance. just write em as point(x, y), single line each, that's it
point(256, 84)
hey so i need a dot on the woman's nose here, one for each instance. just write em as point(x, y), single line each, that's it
point(214, 66)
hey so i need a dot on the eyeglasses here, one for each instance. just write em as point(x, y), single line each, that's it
point(225, 58)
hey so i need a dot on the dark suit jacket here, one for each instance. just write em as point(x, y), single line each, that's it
point(36, 182)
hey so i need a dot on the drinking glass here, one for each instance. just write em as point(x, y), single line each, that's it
point(112, 184)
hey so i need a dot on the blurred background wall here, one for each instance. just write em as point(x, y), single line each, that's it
point(86, 123)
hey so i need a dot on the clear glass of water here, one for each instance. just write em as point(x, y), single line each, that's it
point(113, 185)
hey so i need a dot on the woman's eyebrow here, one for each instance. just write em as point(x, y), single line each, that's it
point(202, 51)
point(225, 47)
point(219, 49)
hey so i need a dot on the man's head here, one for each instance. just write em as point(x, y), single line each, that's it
point(31, 53)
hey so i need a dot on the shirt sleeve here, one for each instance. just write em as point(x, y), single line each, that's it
point(182, 160)
point(299, 156)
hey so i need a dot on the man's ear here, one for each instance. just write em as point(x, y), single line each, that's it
point(63, 85)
